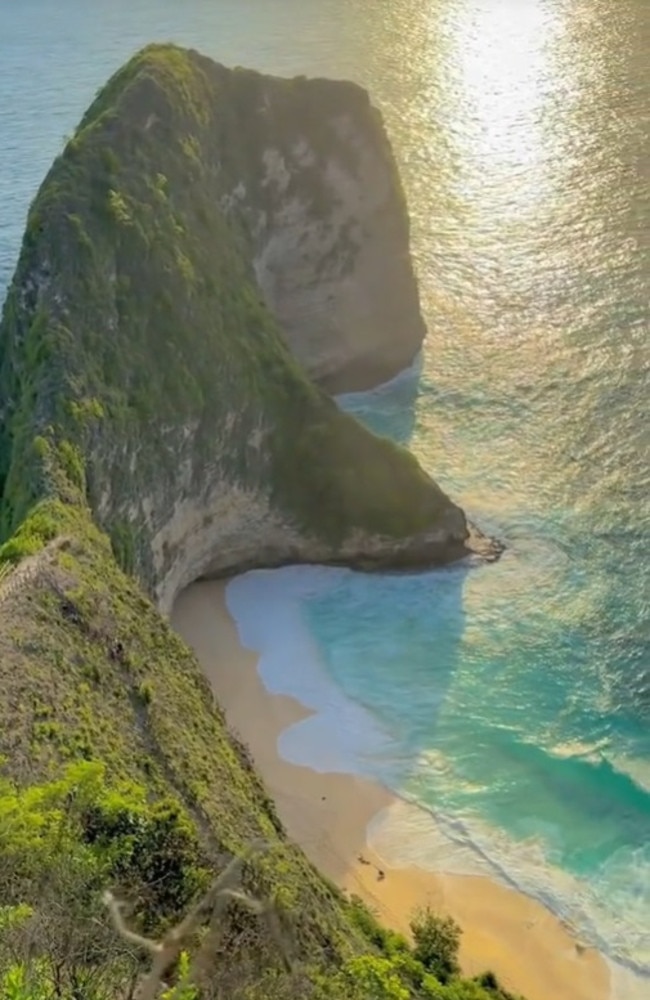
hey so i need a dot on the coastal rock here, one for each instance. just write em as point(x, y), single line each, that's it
point(308, 175)
point(141, 370)
point(330, 231)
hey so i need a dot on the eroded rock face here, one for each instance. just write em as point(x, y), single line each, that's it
point(311, 175)
point(141, 369)
point(231, 530)
point(189, 515)
point(332, 246)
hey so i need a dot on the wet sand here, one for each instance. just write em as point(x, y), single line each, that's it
point(527, 946)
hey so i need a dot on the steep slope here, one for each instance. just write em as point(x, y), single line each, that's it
point(141, 368)
point(146, 389)
point(91, 673)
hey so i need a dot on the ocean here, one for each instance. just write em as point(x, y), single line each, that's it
point(507, 705)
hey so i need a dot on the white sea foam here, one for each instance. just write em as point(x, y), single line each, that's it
point(266, 607)
point(342, 736)
point(636, 769)
point(407, 834)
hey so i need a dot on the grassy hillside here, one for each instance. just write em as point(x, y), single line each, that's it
point(132, 317)
point(119, 771)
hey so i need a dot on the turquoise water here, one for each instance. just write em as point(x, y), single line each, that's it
point(512, 701)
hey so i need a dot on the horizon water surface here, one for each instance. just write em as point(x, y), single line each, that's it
point(511, 702)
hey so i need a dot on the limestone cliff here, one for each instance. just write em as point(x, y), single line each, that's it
point(307, 172)
point(140, 367)
point(330, 230)
point(147, 389)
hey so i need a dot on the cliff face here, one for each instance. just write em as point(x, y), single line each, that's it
point(330, 231)
point(140, 368)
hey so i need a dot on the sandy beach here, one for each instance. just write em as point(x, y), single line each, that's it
point(527, 946)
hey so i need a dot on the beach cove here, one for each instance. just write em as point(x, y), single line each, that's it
point(328, 815)
point(515, 696)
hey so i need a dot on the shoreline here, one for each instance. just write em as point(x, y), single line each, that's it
point(328, 814)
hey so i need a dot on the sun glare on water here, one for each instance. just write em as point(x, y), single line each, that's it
point(503, 54)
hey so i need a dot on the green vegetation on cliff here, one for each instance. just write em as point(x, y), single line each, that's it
point(134, 335)
point(134, 345)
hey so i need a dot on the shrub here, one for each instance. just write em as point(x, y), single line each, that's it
point(145, 691)
point(184, 990)
point(119, 208)
point(368, 977)
point(437, 940)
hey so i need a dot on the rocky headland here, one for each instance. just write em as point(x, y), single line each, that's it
point(200, 223)
point(212, 249)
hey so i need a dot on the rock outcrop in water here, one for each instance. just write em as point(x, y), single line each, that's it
point(141, 367)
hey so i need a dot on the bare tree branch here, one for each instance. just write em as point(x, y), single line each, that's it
point(225, 888)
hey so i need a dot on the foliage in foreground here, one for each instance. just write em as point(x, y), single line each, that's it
point(62, 842)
